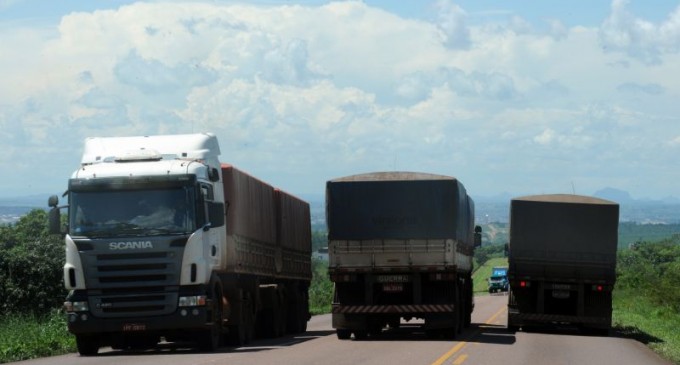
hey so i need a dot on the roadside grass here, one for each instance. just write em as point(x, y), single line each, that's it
point(636, 316)
point(480, 276)
point(25, 337)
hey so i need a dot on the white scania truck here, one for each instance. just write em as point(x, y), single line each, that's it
point(165, 242)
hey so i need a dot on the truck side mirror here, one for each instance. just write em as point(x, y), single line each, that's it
point(478, 236)
point(54, 216)
point(216, 214)
point(54, 221)
point(506, 250)
point(213, 175)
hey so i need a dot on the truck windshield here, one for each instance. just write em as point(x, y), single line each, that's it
point(121, 213)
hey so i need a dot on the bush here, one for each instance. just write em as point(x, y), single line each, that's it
point(653, 269)
point(31, 262)
point(321, 289)
point(482, 254)
point(27, 336)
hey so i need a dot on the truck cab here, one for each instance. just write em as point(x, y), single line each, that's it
point(141, 238)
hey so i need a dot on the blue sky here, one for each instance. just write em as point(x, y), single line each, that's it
point(522, 97)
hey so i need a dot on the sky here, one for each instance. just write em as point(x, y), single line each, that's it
point(510, 97)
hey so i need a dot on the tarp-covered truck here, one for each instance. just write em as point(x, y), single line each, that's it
point(562, 261)
point(400, 246)
point(165, 241)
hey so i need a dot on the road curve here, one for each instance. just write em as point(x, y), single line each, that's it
point(486, 342)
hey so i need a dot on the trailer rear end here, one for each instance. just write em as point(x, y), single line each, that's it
point(400, 246)
point(562, 261)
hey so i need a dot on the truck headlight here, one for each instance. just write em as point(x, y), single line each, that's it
point(192, 301)
point(76, 306)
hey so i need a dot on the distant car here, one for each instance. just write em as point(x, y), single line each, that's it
point(499, 280)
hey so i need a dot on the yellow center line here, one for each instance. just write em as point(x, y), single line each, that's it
point(495, 315)
point(461, 359)
point(460, 345)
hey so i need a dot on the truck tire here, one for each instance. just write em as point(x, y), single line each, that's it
point(343, 334)
point(211, 339)
point(238, 335)
point(360, 335)
point(297, 313)
point(87, 345)
point(242, 333)
point(280, 312)
point(468, 298)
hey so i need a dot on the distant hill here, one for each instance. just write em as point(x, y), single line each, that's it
point(615, 195)
point(35, 201)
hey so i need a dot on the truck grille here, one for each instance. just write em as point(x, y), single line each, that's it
point(133, 284)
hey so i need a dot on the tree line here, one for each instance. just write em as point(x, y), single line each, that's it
point(31, 261)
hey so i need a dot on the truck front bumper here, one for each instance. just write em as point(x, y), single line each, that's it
point(183, 319)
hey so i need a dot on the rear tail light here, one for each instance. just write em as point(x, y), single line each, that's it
point(598, 288)
point(342, 278)
point(524, 284)
point(442, 276)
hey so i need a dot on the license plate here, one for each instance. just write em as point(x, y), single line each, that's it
point(393, 287)
point(561, 287)
point(393, 278)
point(134, 327)
point(560, 294)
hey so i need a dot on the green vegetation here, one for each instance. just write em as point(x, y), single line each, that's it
point(319, 240)
point(638, 317)
point(321, 289)
point(31, 289)
point(482, 254)
point(495, 233)
point(31, 262)
point(28, 336)
point(647, 295)
point(630, 232)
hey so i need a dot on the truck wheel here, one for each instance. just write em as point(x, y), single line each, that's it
point(87, 345)
point(280, 320)
point(360, 335)
point(211, 338)
point(343, 334)
point(297, 314)
point(394, 323)
point(238, 335)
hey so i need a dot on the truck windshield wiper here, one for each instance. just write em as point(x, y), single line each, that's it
point(97, 233)
point(162, 231)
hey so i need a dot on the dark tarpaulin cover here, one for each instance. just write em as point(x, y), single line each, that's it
point(564, 228)
point(397, 206)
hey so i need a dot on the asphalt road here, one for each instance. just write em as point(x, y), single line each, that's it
point(486, 342)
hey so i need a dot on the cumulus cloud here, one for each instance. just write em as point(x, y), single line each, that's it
point(675, 142)
point(151, 76)
point(452, 25)
point(557, 29)
point(477, 84)
point(546, 137)
point(299, 94)
point(623, 32)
